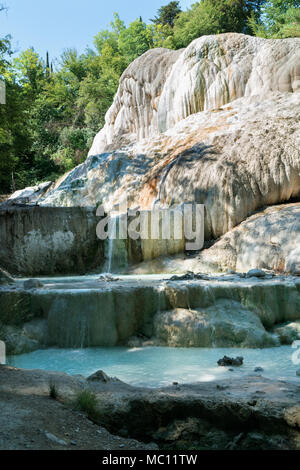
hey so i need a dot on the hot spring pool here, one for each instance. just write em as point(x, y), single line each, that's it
point(156, 367)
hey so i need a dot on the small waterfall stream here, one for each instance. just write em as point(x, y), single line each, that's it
point(111, 242)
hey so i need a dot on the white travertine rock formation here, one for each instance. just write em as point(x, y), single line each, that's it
point(163, 87)
point(135, 107)
point(234, 161)
point(268, 240)
point(217, 123)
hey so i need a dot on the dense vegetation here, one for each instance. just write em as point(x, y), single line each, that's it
point(52, 111)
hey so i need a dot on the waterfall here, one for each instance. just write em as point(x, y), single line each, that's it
point(111, 241)
point(161, 299)
point(211, 297)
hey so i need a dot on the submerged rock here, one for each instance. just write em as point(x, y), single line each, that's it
point(32, 284)
point(108, 278)
point(230, 361)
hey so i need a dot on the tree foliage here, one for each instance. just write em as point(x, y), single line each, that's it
point(167, 14)
point(278, 19)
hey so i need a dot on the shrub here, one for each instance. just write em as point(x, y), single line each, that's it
point(86, 401)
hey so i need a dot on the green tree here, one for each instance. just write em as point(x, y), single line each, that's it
point(278, 19)
point(135, 40)
point(167, 14)
point(29, 70)
point(214, 17)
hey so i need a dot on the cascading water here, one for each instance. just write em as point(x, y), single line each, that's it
point(111, 241)
point(210, 295)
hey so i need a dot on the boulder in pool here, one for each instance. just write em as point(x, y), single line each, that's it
point(231, 361)
point(101, 376)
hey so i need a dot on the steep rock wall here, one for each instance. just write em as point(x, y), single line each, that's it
point(44, 240)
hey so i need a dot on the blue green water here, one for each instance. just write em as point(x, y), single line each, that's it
point(155, 367)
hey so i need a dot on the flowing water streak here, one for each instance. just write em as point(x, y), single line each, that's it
point(160, 290)
point(209, 292)
point(111, 241)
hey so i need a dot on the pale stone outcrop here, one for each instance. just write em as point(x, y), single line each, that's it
point(30, 195)
point(135, 107)
point(164, 87)
point(288, 332)
point(233, 161)
point(225, 324)
point(269, 240)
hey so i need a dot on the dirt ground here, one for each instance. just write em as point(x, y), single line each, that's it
point(30, 421)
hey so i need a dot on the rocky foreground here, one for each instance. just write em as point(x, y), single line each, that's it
point(252, 413)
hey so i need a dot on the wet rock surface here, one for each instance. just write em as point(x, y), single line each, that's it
point(223, 311)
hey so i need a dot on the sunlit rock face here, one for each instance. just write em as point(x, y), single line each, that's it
point(135, 107)
point(217, 123)
point(269, 239)
point(233, 160)
point(163, 87)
